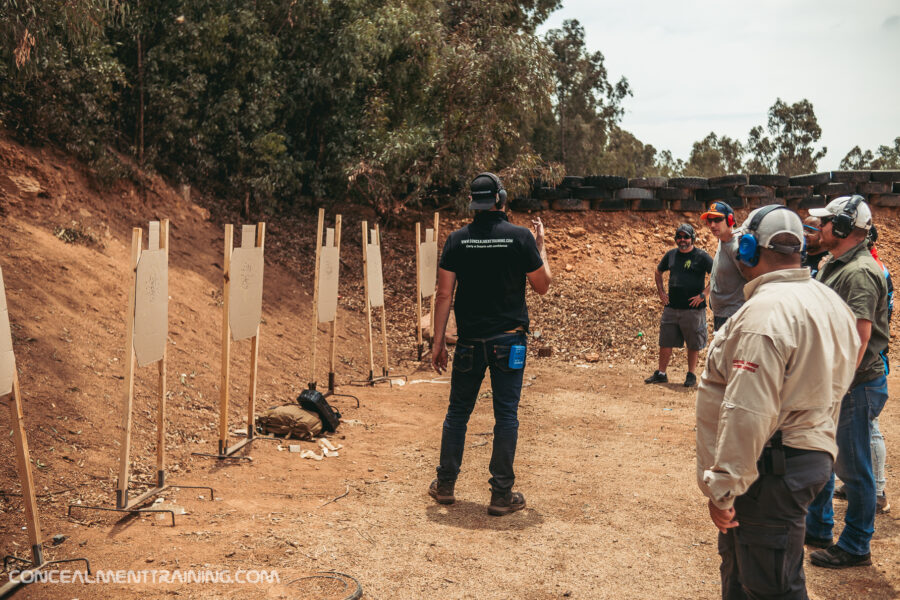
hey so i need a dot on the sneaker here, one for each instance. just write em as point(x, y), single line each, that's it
point(834, 557)
point(882, 505)
point(690, 380)
point(817, 542)
point(840, 493)
point(442, 491)
point(657, 377)
point(503, 503)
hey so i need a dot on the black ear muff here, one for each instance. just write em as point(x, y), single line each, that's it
point(498, 191)
point(842, 224)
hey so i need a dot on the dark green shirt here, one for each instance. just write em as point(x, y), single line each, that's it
point(859, 281)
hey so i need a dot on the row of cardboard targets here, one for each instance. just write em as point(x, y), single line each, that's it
point(147, 333)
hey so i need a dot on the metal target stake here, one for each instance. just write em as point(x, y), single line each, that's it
point(241, 316)
point(147, 332)
point(9, 388)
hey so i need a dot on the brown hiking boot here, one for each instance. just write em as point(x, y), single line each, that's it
point(503, 503)
point(442, 491)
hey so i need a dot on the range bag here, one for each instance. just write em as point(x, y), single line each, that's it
point(290, 420)
point(314, 401)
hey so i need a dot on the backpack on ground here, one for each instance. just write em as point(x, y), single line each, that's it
point(290, 420)
point(314, 401)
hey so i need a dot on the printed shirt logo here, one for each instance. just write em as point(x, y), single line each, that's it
point(687, 264)
point(745, 365)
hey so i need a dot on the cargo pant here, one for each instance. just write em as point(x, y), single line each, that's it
point(763, 556)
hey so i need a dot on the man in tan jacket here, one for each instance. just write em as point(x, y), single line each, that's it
point(767, 409)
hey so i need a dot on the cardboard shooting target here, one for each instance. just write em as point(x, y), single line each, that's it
point(373, 271)
point(428, 264)
point(151, 306)
point(245, 292)
point(7, 359)
point(329, 267)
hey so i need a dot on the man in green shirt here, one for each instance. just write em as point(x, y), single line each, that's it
point(852, 272)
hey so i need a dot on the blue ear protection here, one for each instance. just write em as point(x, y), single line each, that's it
point(748, 246)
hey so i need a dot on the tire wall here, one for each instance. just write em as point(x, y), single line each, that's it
point(695, 194)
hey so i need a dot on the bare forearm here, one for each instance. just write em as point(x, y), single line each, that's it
point(543, 252)
point(441, 316)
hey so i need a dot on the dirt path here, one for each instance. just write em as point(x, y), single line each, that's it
point(605, 462)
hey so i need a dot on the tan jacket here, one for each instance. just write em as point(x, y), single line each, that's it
point(783, 361)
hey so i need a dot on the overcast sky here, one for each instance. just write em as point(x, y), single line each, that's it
point(713, 65)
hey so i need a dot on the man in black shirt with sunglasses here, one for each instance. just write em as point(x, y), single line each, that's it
point(684, 316)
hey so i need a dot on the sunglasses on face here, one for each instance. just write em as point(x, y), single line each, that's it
point(682, 237)
point(810, 228)
point(716, 219)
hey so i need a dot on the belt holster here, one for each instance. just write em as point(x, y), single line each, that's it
point(772, 460)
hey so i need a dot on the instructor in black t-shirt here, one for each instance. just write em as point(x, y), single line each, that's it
point(488, 261)
point(684, 316)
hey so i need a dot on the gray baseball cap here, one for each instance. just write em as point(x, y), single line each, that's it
point(782, 220)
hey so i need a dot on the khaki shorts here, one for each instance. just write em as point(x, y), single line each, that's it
point(683, 325)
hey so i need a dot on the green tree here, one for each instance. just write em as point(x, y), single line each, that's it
point(59, 80)
point(587, 104)
point(789, 146)
point(477, 83)
point(627, 156)
point(669, 166)
point(857, 159)
point(887, 157)
point(714, 156)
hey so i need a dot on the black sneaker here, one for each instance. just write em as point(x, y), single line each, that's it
point(834, 557)
point(690, 380)
point(442, 491)
point(503, 503)
point(657, 377)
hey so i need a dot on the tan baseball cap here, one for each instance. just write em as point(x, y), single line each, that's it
point(863, 218)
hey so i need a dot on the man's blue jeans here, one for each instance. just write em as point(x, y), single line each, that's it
point(470, 360)
point(860, 406)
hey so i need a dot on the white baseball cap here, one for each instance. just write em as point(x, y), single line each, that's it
point(774, 222)
point(863, 218)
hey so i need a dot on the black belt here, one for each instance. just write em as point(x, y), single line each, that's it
point(772, 461)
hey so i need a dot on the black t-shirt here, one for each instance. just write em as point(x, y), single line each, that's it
point(490, 257)
point(687, 277)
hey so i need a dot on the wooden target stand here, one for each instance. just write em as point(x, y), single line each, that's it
point(147, 332)
point(325, 293)
point(426, 276)
point(241, 316)
point(9, 388)
point(373, 283)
